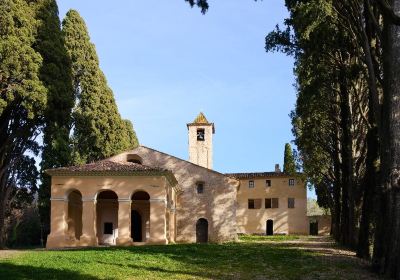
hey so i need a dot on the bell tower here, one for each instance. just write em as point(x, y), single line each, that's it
point(200, 141)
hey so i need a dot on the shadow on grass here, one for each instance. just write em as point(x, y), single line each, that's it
point(19, 272)
point(245, 260)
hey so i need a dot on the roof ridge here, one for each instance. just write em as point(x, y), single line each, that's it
point(183, 160)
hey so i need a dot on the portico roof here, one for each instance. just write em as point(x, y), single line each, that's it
point(108, 167)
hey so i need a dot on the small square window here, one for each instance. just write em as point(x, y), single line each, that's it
point(291, 182)
point(251, 184)
point(268, 183)
point(108, 228)
point(290, 202)
point(251, 204)
point(200, 134)
point(200, 187)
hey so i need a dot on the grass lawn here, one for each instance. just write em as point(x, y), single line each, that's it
point(254, 257)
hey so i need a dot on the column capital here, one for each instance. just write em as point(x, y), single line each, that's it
point(158, 200)
point(58, 198)
point(124, 200)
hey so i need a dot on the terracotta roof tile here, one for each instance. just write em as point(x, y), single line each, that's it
point(258, 175)
point(107, 165)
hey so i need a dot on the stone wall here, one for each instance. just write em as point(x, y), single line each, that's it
point(217, 203)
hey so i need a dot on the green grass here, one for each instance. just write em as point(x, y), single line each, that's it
point(247, 259)
point(269, 238)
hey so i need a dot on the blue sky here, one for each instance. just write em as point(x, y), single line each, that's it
point(167, 62)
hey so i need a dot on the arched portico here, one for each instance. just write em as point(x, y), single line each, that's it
point(74, 214)
point(140, 216)
point(107, 217)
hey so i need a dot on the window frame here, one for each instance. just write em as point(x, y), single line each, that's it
point(290, 206)
point(268, 183)
point(252, 184)
point(292, 182)
point(251, 202)
point(200, 186)
point(269, 203)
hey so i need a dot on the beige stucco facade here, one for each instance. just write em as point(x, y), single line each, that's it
point(323, 223)
point(72, 196)
point(285, 220)
point(144, 196)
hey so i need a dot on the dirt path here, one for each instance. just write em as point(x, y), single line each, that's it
point(341, 263)
point(6, 254)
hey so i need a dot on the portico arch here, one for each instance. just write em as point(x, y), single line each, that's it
point(140, 216)
point(107, 217)
point(74, 214)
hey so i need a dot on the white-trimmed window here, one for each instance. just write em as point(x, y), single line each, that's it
point(251, 184)
point(291, 182)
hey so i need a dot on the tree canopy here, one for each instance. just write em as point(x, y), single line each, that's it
point(99, 131)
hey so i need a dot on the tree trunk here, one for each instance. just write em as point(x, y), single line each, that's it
point(387, 257)
point(4, 194)
point(363, 246)
point(348, 218)
point(336, 223)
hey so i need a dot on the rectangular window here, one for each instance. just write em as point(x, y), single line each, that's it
point(108, 228)
point(200, 134)
point(290, 202)
point(200, 187)
point(275, 203)
point(254, 203)
point(251, 204)
point(268, 183)
point(271, 203)
point(291, 182)
point(251, 184)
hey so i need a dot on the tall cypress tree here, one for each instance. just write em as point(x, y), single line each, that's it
point(22, 97)
point(56, 76)
point(99, 131)
point(289, 166)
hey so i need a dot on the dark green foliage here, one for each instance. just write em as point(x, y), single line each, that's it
point(56, 76)
point(289, 165)
point(99, 130)
point(25, 228)
point(23, 97)
point(202, 4)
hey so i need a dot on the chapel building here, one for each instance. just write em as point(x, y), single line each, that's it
point(144, 196)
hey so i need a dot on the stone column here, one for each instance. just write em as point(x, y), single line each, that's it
point(88, 237)
point(58, 225)
point(124, 222)
point(158, 221)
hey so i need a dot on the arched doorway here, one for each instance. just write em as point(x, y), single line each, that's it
point(136, 226)
point(74, 217)
point(202, 231)
point(270, 227)
point(107, 217)
point(140, 216)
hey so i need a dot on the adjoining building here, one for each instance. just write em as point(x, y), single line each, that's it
point(144, 196)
